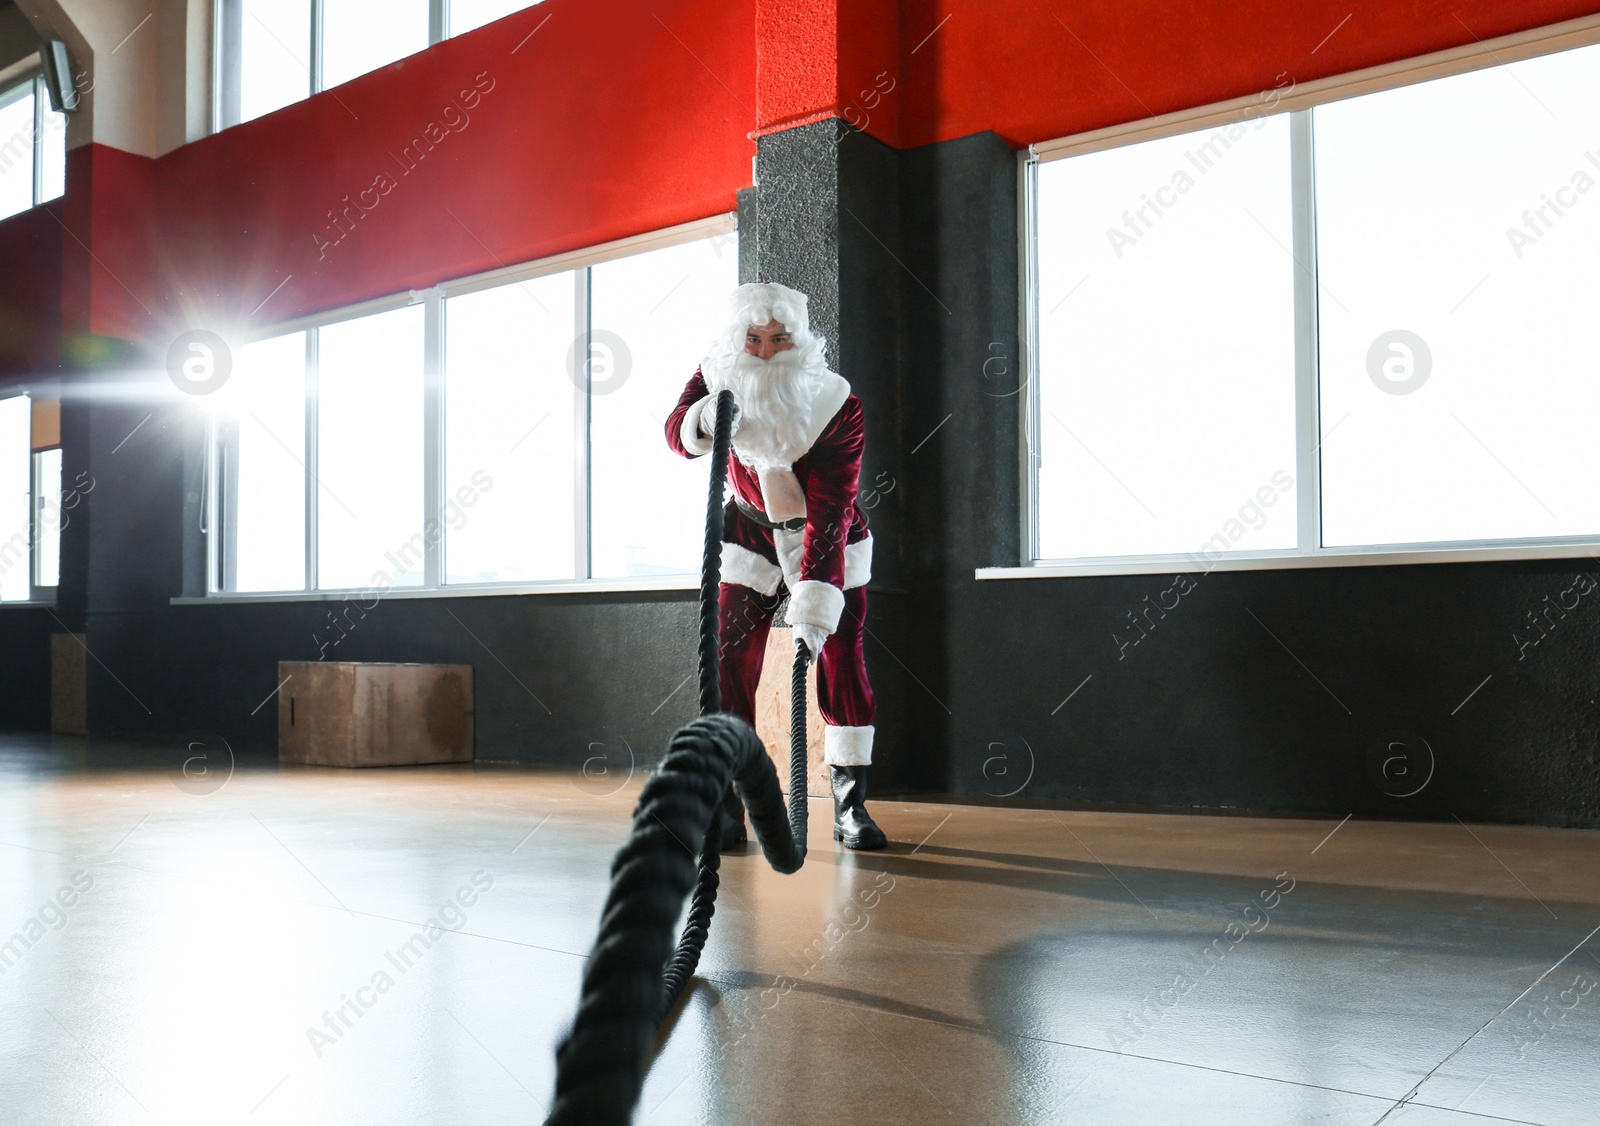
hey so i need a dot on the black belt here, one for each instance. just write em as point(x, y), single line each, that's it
point(798, 524)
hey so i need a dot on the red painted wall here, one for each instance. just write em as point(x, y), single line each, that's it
point(580, 121)
point(111, 230)
point(30, 291)
point(797, 64)
point(1034, 70)
point(827, 58)
point(869, 94)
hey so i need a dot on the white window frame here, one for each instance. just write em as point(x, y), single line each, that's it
point(216, 534)
point(1298, 101)
point(35, 78)
point(226, 48)
point(37, 595)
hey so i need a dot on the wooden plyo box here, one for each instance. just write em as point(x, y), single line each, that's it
point(772, 714)
point(343, 713)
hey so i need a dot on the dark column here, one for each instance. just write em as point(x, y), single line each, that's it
point(822, 218)
point(910, 262)
point(960, 427)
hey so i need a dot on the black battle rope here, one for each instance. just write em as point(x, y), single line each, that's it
point(634, 976)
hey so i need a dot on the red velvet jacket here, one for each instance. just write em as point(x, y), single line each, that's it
point(829, 474)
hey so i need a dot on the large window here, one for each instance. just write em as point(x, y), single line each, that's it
point(495, 430)
point(510, 419)
point(262, 408)
point(274, 52)
point(1170, 332)
point(1459, 225)
point(648, 313)
point(16, 498)
point(370, 449)
point(33, 147)
point(1360, 328)
point(31, 514)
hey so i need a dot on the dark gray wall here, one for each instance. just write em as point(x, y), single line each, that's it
point(1212, 709)
point(25, 668)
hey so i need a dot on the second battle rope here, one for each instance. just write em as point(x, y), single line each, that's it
point(634, 976)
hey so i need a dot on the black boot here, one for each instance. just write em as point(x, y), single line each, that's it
point(852, 824)
point(731, 818)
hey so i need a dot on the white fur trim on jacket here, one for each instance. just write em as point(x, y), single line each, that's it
point(847, 746)
point(782, 498)
point(815, 604)
point(831, 395)
point(743, 567)
point(857, 563)
point(694, 441)
point(790, 548)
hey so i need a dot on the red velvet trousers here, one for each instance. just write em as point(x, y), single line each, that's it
point(844, 696)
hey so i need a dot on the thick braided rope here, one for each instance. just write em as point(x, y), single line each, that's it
point(797, 746)
point(711, 560)
point(629, 983)
point(600, 1065)
point(703, 905)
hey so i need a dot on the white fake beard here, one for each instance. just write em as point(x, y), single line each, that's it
point(775, 399)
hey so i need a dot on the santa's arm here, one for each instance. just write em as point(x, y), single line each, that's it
point(831, 484)
point(683, 424)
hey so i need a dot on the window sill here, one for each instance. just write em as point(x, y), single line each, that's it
point(35, 604)
point(1287, 560)
point(643, 584)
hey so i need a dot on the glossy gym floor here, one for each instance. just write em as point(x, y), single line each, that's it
point(252, 945)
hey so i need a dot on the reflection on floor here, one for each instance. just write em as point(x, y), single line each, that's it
point(253, 945)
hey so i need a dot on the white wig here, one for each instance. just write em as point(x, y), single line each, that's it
point(758, 303)
point(776, 395)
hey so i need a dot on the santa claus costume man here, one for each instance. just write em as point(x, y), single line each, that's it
point(794, 524)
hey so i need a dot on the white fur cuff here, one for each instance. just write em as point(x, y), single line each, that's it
point(847, 746)
point(743, 567)
point(693, 441)
point(858, 563)
point(816, 604)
